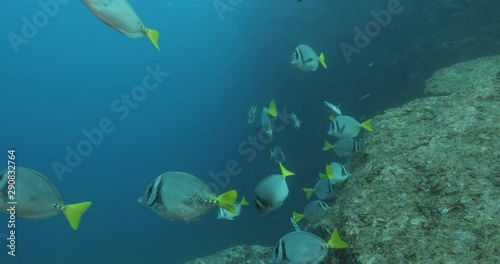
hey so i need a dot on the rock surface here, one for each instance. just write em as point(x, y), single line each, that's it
point(427, 188)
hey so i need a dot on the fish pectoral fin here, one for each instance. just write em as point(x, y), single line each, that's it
point(74, 212)
point(308, 60)
point(153, 36)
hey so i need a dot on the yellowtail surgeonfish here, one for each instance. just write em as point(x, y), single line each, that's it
point(313, 212)
point(225, 214)
point(344, 147)
point(305, 58)
point(323, 189)
point(345, 126)
point(118, 14)
point(251, 114)
point(336, 172)
point(304, 247)
point(36, 197)
point(265, 120)
point(272, 191)
point(181, 196)
point(277, 155)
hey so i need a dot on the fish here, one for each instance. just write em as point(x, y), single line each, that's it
point(37, 198)
point(225, 214)
point(323, 190)
point(305, 58)
point(119, 15)
point(335, 109)
point(251, 114)
point(319, 230)
point(299, 247)
point(277, 155)
point(177, 195)
point(313, 212)
point(295, 121)
point(364, 96)
point(345, 126)
point(344, 147)
point(265, 120)
point(336, 172)
point(272, 191)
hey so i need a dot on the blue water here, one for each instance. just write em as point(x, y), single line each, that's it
point(64, 80)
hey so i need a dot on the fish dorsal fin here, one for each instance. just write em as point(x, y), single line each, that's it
point(285, 172)
point(322, 175)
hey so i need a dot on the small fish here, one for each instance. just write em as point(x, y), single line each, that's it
point(305, 247)
point(272, 191)
point(334, 109)
point(323, 189)
point(179, 195)
point(344, 147)
point(305, 58)
point(37, 198)
point(364, 96)
point(265, 120)
point(336, 172)
point(345, 126)
point(313, 212)
point(277, 155)
point(118, 14)
point(295, 121)
point(251, 114)
point(225, 214)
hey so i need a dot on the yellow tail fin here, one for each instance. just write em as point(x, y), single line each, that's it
point(153, 36)
point(272, 109)
point(327, 146)
point(367, 125)
point(335, 241)
point(329, 171)
point(74, 212)
point(285, 172)
point(297, 217)
point(309, 192)
point(331, 117)
point(322, 60)
point(243, 201)
point(227, 200)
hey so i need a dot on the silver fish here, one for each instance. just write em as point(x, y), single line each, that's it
point(305, 58)
point(277, 155)
point(36, 197)
point(182, 196)
point(345, 126)
point(272, 191)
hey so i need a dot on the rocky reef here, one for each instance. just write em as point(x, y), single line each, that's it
point(426, 190)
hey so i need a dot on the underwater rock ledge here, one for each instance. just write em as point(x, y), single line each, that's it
point(427, 188)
